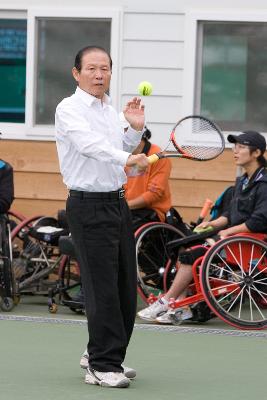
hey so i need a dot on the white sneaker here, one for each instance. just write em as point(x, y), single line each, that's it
point(152, 312)
point(108, 379)
point(165, 318)
point(127, 371)
point(178, 315)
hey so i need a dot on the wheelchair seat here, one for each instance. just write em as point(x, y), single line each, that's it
point(47, 229)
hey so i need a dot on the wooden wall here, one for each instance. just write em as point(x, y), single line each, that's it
point(39, 188)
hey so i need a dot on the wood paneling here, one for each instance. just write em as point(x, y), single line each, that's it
point(220, 169)
point(30, 156)
point(30, 207)
point(39, 188)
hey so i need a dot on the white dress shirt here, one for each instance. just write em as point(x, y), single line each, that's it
point(91, 143)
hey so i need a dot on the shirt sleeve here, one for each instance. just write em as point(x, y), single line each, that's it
point(6, 188)
point(257, 221)
point(87, 142)
point(131, 139)
point(157, 182)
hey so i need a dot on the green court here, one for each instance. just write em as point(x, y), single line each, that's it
point(40, 359)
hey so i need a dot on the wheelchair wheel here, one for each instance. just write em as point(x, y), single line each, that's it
point(6, 275)
point(234, 281)
point(155, 269)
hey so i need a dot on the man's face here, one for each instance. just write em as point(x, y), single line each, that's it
point(242, 155)
point(95, 74)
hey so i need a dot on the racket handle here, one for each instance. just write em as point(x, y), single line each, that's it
point(154, 158)
point(204, 211)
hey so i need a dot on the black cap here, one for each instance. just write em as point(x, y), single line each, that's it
point(249, 138)
point(146, 134)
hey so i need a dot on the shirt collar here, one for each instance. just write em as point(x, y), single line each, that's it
point(89, 99)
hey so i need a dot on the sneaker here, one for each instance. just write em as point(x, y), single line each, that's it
point(108, 379)
point(179, 315)
point(152, 312)
point(130, 373)
point(165, 318)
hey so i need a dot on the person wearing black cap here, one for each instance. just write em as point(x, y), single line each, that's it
point(247, 213)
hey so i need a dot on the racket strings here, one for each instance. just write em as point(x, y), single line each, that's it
point(198, 138)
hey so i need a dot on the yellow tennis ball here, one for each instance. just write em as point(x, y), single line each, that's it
point(145, 88)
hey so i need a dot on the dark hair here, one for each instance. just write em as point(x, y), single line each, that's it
point(261, 159)
point(146, 134)
point(89, 49)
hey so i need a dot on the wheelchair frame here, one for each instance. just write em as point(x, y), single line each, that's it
point(41, 264)
point(225, 279)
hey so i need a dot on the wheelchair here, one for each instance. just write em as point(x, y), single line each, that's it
point(229, 280)
point(35, 254)
point(69, 280)
point(155, 269)
point(6, 273)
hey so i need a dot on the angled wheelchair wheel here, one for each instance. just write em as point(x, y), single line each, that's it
point(234, 281)
point(6, 273)
point(155, 269)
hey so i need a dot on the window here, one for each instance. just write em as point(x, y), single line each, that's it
point(37, 51)
point(58, 42)
point(231, 75)
point(13, 43)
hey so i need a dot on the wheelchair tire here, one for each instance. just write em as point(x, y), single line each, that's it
point(6, 273)
point(155, 269)
point(233, 280)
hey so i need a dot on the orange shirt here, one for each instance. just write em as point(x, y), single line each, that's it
point(153, 185)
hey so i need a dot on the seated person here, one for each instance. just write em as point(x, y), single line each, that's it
point(6, 186)
point(247, 212)
point(148, 194)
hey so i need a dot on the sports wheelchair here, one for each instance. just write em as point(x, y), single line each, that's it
point(6, 272)
point(35, 254)
point(229, 281)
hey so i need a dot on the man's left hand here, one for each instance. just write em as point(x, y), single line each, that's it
point(134, 113)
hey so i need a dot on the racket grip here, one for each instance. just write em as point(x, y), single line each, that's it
point(204, 211)
point(154, 158)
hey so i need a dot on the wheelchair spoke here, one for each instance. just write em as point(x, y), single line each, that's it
point(252, 301)
point(260, 280)
point(228, 267)
point(251, 259)
point(241, 302)
point(227, 295)
point(235, 299)
point(261, 271)
point(234, 257)
point(255, 266)
point(260, 292)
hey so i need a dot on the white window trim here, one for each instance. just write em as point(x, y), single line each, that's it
point(192, 17)
point(28, 130)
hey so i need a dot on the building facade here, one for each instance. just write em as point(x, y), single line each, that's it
point(201, 58)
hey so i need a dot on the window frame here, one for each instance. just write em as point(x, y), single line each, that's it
point(191, 52)
point(28, 130)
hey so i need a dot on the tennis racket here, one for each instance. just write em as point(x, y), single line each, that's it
point(195, 138)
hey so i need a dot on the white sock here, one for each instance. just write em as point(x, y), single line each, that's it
point(164, 301)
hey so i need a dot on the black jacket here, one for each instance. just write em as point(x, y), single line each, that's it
point(249, 203)
point(6, 186)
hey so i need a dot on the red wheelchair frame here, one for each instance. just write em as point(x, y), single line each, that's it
point(228, 281)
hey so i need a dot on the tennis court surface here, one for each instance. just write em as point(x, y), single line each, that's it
point(40, 360)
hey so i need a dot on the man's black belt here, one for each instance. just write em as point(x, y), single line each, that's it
point(117, 194)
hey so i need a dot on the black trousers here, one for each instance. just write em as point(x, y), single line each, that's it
point(103, 238)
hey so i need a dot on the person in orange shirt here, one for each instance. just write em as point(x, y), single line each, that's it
point(148, 194)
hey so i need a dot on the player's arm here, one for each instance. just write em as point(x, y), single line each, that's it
point(6, 188)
